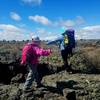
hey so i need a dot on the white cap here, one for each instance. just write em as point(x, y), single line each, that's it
point(35, 38)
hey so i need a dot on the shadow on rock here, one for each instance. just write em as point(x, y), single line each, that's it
point(52, 89)
point(66, 84)
point(44, 69)
point(11, 70)
point(5, 73)
point(60, 86)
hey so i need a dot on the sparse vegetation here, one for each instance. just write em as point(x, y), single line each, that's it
point(85, 82)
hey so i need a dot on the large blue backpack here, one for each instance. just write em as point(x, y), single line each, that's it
point(69, 38)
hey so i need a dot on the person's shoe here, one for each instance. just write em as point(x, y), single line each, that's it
point(69, 69)
point(28, 90)
point(39, 85)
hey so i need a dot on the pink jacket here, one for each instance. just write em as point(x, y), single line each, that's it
point(34, 52)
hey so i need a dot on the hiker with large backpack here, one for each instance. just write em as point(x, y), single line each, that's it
point(31, 53)
point(66, 44)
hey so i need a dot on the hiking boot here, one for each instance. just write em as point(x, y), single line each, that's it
point(69, 69)
point(28, 90)
point(40, 85)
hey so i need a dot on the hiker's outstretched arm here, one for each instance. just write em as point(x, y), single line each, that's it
point(43, 52)
point(54, 41)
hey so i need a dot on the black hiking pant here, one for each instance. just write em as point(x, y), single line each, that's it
point(65, 53)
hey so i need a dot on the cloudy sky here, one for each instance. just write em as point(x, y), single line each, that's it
point(20, 19)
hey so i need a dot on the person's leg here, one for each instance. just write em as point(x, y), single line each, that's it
point(64, 54)
point(69, 53)
point(30, 78)
point(64, 57)
point(36, 75)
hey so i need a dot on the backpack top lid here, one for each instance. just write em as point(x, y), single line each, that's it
point(68, 31)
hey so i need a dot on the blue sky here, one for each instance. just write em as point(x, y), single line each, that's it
point(20, 19)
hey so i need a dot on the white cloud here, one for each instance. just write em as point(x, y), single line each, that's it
point(95, 28)
point(32, 2)
point(11, 32)
point(66, 23)
point(15, 16)
point(89, 32)
point(9, 28)
point(44, 34)
point(52, 37)
point(80, 20)
point(40, 19)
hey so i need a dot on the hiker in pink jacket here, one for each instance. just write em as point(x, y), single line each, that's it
point(30, 56)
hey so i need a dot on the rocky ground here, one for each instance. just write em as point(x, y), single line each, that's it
point(57, 85)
